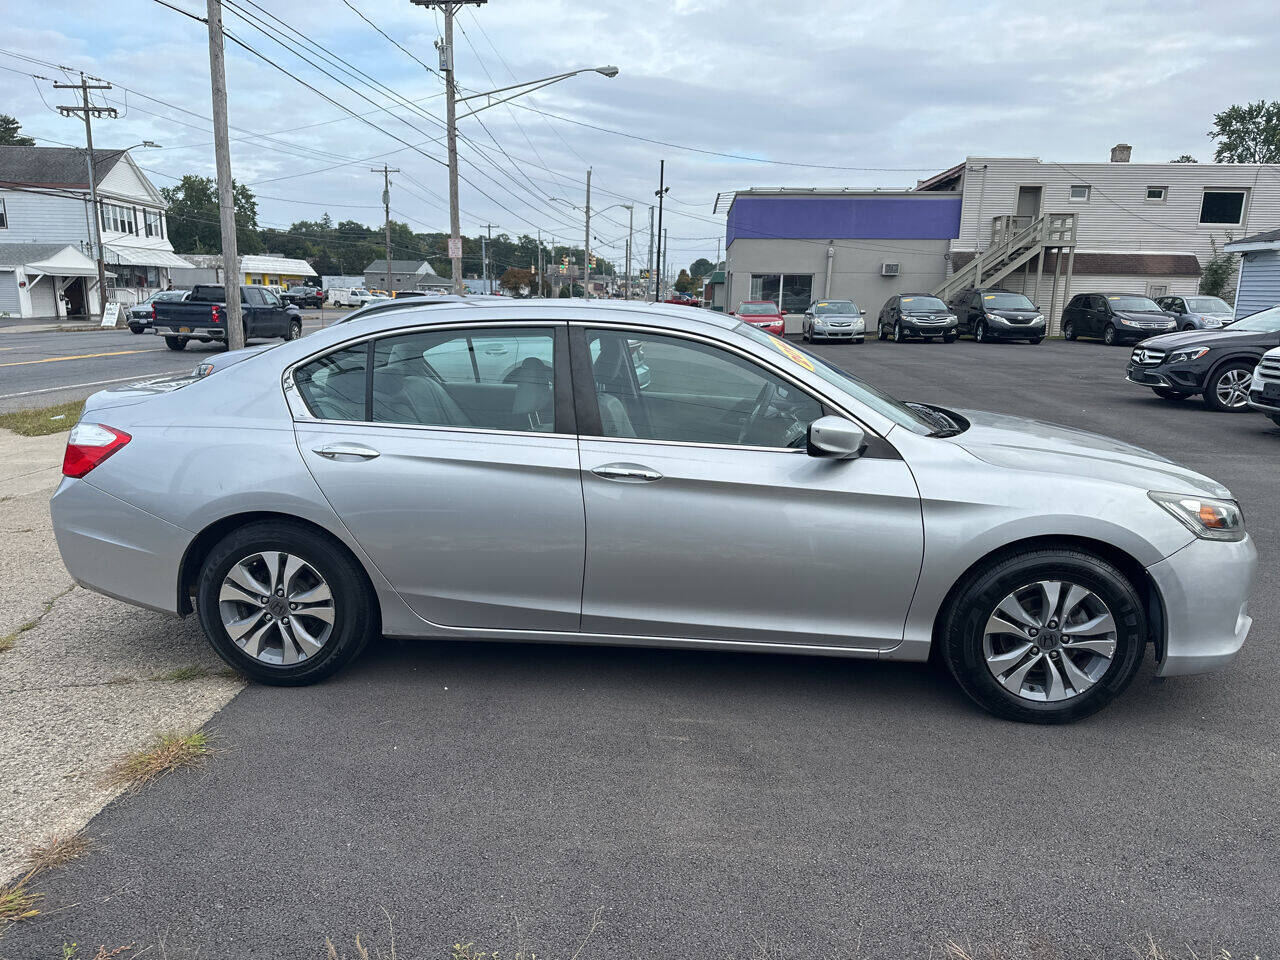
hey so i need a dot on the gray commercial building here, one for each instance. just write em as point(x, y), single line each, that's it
point(405, 275)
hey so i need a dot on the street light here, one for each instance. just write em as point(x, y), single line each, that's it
point(531, 85)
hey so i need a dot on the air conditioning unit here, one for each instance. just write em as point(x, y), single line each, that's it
point(888, 269)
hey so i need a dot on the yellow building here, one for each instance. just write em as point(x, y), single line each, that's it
point(276, 271)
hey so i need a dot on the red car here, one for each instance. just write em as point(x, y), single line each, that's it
point(763, 314)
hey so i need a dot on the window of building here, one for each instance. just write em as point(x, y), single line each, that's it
point(792, 292)
point(151, 223)
point(118, 218)
point(1157, 194)
point(1222, 207)
point(4, 217)
point(1080, 191)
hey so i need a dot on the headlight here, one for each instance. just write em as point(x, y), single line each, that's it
point(1185, 356)
point(1038, 318)
point(951, 318)
point(992, 316)
point(202, 370)
point(1206, 517)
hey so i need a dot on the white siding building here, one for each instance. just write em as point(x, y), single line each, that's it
point(44, 199)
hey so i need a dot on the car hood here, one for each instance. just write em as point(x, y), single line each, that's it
point(1019, 444)
point(837, 316)
point(1191, 338)
point(1012, 314)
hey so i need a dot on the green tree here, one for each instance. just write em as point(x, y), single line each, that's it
point(1247, 134)
point(1185, 158)
point(702, 267)
point(684, 282)
point(193, 217)
point(9, 135)
point(1215, 277)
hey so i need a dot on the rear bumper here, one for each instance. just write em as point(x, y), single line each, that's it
point(114, 548)
point(1205, 591)
point(194, 332)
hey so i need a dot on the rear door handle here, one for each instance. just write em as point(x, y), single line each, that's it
point(626, 472)
point(347, 452)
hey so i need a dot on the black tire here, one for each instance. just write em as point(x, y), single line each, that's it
point(898, 335)
point(1069, 330)
point(804, 335)
point(1109, 335)
point(879, 331)
point(1165, 393)
point(980, 331)
point(136, 328)
point(1215, 381)
point(176, 343)
point(1189, 326)
point(963, 622)
point(356, 618)
point(295, 330)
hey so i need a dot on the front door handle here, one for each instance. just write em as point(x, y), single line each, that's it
point(626, 472)
point(346, 452)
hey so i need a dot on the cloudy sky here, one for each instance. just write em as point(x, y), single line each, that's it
point(835, 93)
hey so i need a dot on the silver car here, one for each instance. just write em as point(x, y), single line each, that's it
point(833, 320)
point(1198, 313)
point(499, 470)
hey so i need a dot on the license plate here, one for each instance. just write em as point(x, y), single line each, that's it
point(184, 329)
point(1271, 391)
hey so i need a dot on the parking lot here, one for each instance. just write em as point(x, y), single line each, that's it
point(725, 804)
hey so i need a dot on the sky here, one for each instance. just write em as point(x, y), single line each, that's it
point(843, 94)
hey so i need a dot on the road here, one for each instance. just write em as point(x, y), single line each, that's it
point(39, 369)
point(728, 805)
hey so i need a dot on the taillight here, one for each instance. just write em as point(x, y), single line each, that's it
point(217, 313)
point(90, 444)
point(153, 312)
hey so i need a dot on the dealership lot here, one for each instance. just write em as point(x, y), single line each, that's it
point(817, 807)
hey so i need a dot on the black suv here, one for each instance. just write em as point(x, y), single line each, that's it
point(916, 315)
point(1216, 363)
point(994, 314)
point(304, 296)
point(1114, 317)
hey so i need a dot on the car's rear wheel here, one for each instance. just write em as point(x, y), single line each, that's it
point(1166, 393)
point(1109, 335)
point(1228, 388)
point(284, 604)
point(1044, 635)
point(176, 343)
point(1069, 330)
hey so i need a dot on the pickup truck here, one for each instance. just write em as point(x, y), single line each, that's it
point(304, 295)
point(203, 316)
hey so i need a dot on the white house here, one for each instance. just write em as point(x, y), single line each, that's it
point(1258, 283)
point(44, 200)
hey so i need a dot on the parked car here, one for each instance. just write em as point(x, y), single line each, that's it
point(203, 314)
point(921, 315)
point(1264, 388)
point(989, 313)
point(764, 314)
point(140, 315)
point(1114, 318)
point(1198, 313)
point(349, 296)
point(283, 499)
point(1219, 365)
point(304, 296)
point(833, 320)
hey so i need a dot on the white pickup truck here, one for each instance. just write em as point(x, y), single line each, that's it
point(349, 297)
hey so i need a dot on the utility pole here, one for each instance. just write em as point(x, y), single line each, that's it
point(649, 278)
point(226, 191)
point(445, 48)
point(88, 110)
point(665, 251)
point(484, 257)
point(386, 210)
point(539, 286)
point(586, 246)
point(661, 194)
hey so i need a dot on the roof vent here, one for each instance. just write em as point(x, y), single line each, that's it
point(1121, 153)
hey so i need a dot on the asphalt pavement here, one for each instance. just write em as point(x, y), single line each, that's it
point(727, 805)
point(41, 368)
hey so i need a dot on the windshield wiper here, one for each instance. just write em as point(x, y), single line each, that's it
point(943, 425)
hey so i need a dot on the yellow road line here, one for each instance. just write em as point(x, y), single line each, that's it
point(82, 356)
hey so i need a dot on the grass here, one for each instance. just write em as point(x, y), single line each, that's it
point(168, 752)
point(461, 951)
point(58, 852)
point(17, 900)
point(41, 421)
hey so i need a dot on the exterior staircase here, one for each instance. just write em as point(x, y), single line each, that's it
point(1014, 242)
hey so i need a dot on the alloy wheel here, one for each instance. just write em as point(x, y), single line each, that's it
point(980, 334)
point(276, 608)
point(1232, 388)
point(897, 333)
point(1049, 641)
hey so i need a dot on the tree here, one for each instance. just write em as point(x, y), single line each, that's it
point(1185, 158)
point(9, 135)
point(518, 282)
point(1215, 278)
point(1248, 134)
point(702, 267)
point(194, 226)
point(684, 283)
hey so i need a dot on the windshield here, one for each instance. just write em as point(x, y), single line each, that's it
point(1264, 321)
point(1207, 305)
point(757, 309)
point(923, 305)
point(1006, 301)
point(877, 400)
point(826, 307)
point(1135, 304)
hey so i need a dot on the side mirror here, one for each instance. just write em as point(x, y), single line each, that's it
point(836, 437)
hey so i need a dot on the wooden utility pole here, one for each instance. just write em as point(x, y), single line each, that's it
point(586, 246)
point(649, 276)
point(88, 110)
point(226, 190)
point(661, 193)
point(386, 210)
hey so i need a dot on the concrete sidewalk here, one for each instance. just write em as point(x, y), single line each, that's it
point(79, 681)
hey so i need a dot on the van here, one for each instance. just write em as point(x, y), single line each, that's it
point(349, 296)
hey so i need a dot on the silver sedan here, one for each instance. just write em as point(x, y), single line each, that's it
point(505, 470)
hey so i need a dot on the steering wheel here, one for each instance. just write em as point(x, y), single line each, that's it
point(763, 399)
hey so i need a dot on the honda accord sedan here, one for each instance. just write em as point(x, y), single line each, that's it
point(487, 470)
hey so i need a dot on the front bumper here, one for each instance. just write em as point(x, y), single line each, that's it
point(1205, 591)
point(1183, 377)
point(925, 329)
point(854, 331)
point(1125, 331)
point(1001, 327)
point(114, 548)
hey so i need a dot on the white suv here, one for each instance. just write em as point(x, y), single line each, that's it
point(1264, 388)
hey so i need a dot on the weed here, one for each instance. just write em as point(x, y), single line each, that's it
point(169, 752)
point(41, 421)
point(59, 851)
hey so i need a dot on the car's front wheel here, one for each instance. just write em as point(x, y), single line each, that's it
point(980, 331)
point(284, 604)
point(1109, 335)
point(1044, 635)
point(176, 343)
point(1069, 330)
point(1228, 388)
point(898, 335)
